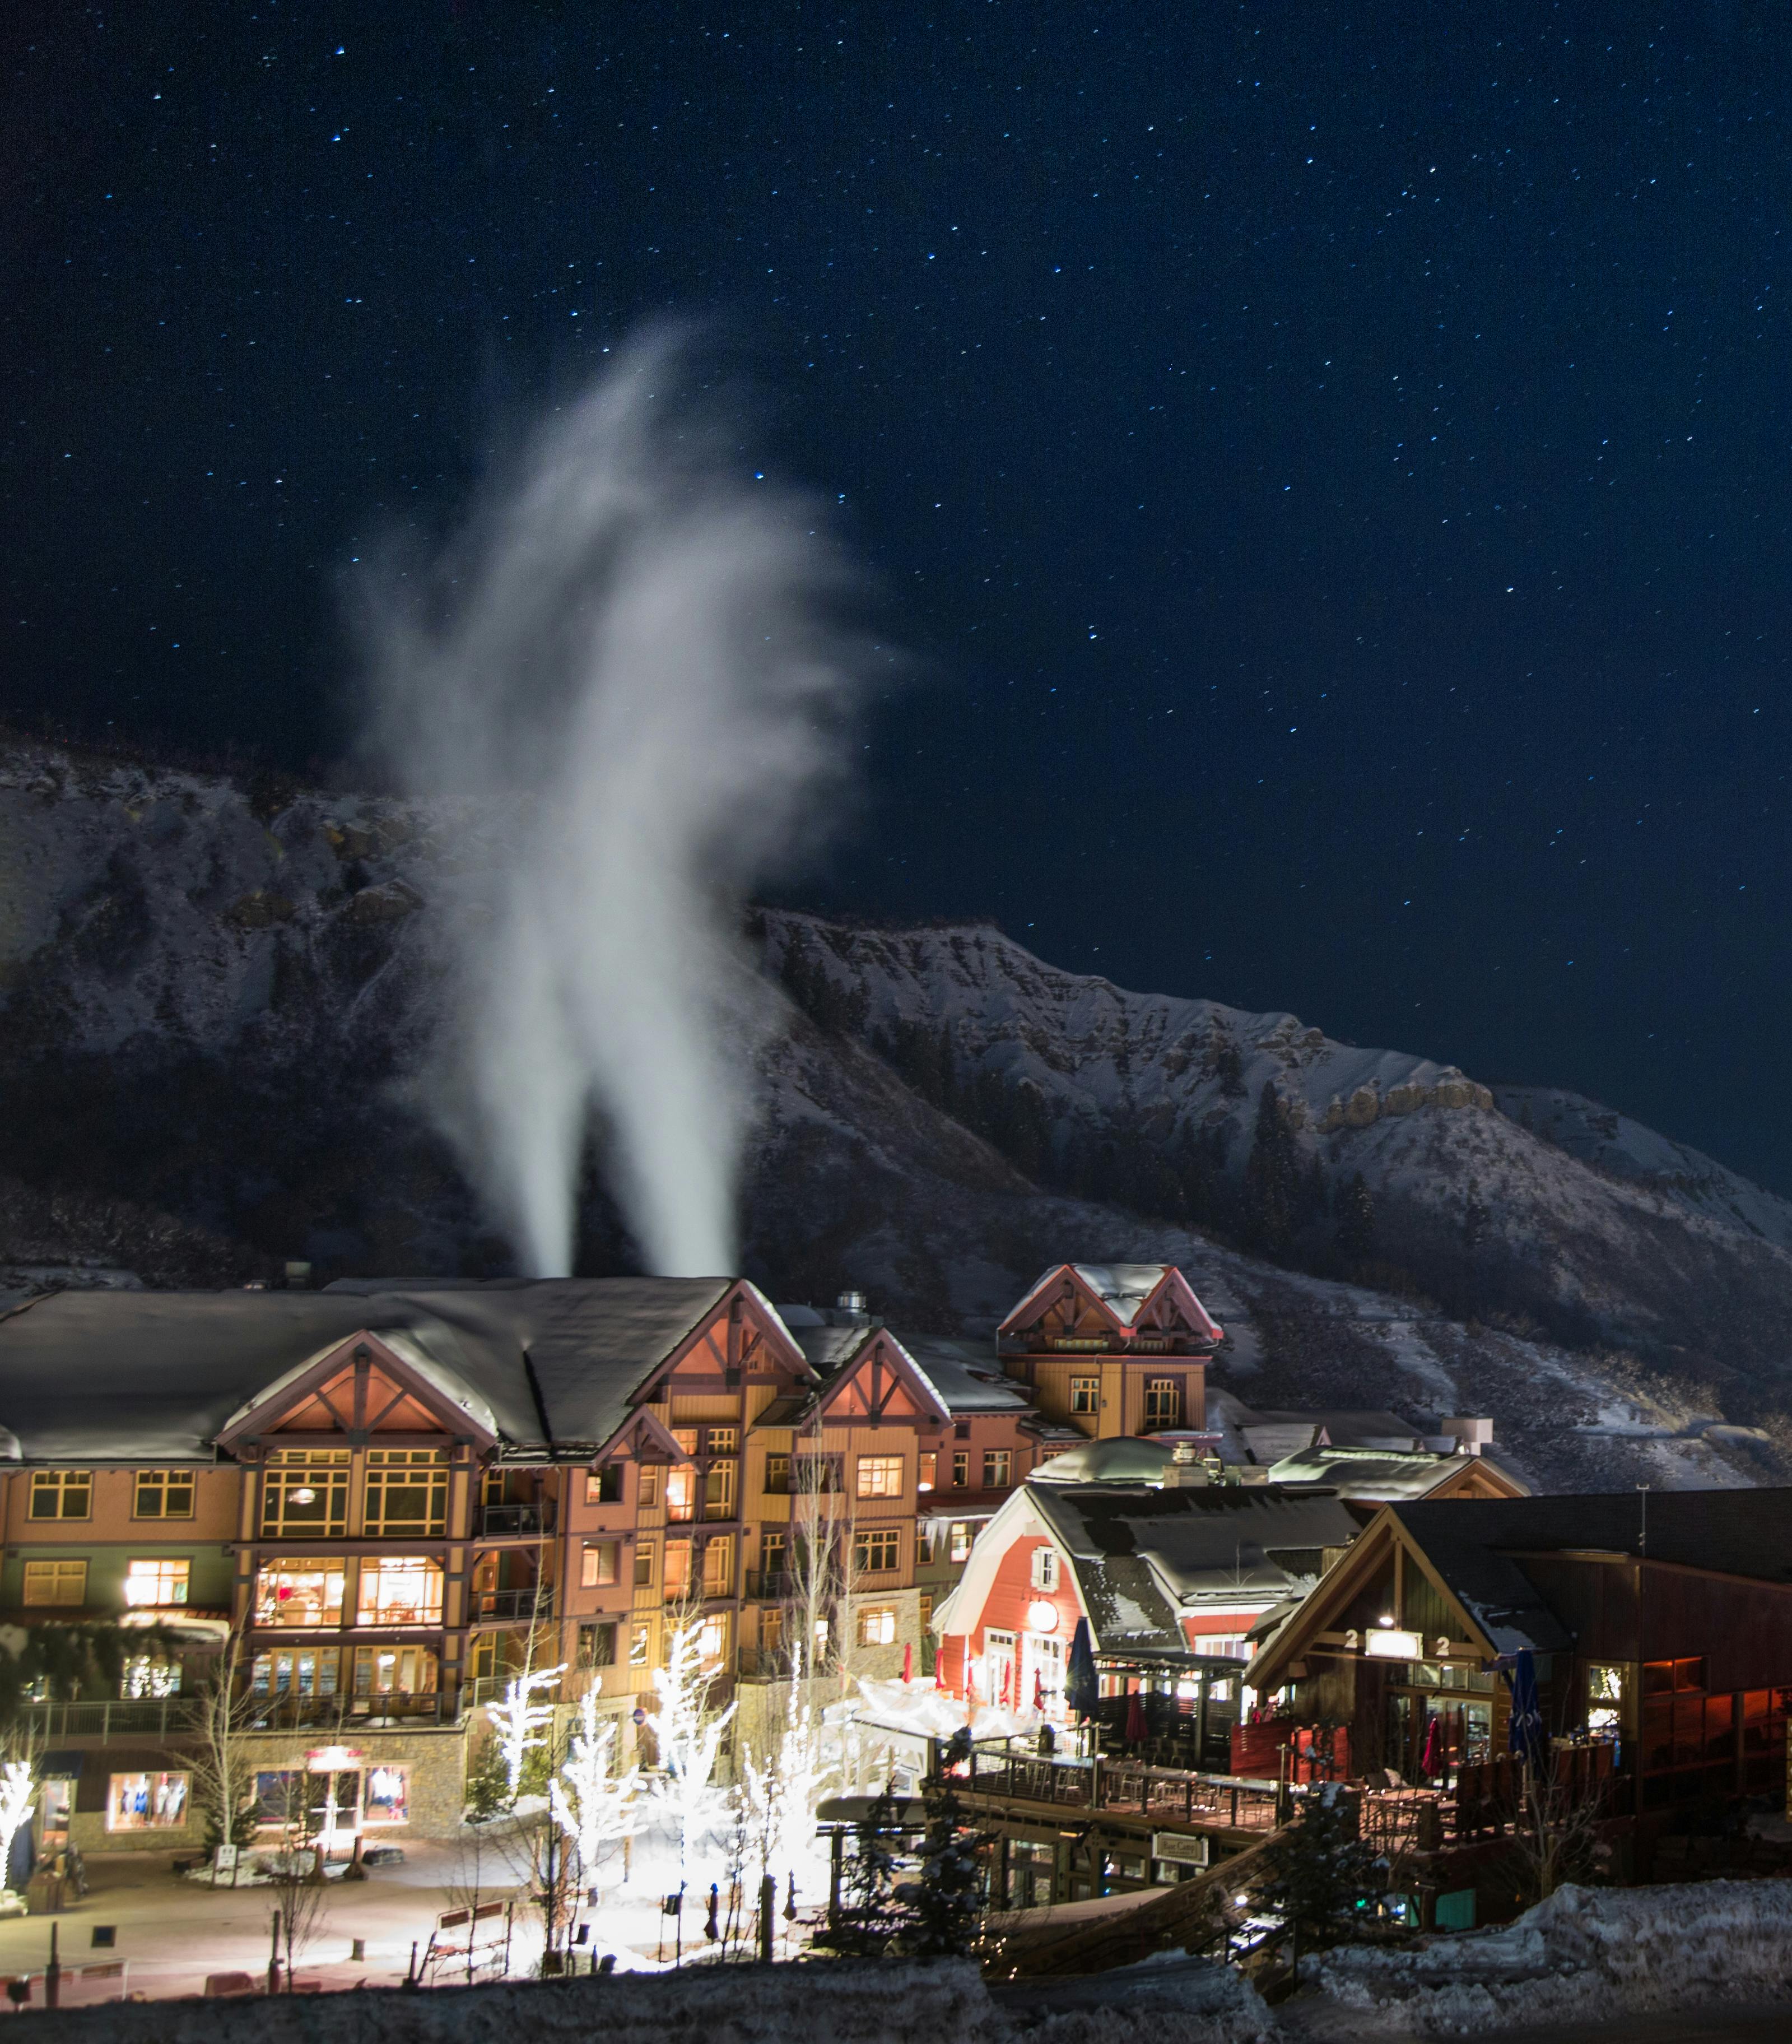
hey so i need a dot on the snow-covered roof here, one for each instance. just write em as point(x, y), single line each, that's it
point(151, 1375)
point(1374, 1475)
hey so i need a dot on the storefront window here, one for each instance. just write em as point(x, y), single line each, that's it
point(156, 1583)
point(145, 1677)
point(146, 1803)
point(387, 1796)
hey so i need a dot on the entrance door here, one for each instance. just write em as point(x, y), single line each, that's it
point(336, 1809)
point(1001, 1675)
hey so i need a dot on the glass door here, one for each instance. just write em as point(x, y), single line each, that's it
point(336, 1809)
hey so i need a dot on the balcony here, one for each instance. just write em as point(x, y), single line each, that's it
point(507, 1607)
point(509, 1522)
point(286, 1713)
point(161, 1717)
point(770, 1585)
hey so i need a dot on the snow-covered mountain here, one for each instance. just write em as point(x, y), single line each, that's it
point(214, 994)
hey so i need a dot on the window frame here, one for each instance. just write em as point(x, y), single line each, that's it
point(998, 1468)
point(424, 1569)
point(156, 1778)
point(61, 1485)
point(427, 1470)
point(163, 1481)
point(879, 1476)
point(1085, 1388)
point(1163, 1401)
point(53, 1568)
point(880, 1540)
point(591, 1564)
point(880, 1618)
point(288, 1470)
point(179, 1568)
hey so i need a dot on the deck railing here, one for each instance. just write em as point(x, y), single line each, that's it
point(1164, 1795)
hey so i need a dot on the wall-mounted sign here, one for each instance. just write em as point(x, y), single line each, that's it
point(1384, 1643)
point(1178, 1850)
point(1042, 1615)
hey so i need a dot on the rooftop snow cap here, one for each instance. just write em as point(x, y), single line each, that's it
point(1124, 1459)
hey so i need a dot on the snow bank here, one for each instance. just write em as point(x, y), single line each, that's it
point(1585, 1954)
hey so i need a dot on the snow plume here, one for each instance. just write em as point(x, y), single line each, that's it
point(628, 680)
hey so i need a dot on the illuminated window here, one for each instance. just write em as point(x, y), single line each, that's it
point(958, 1541)
point(146, 1803)
point(163, 1494)
point(143, 1676)
point(407, 1494)
point(713, 1640)
point(305, 1492)
point(56, 1582)
point(719, 1487)
point(62, 1493)
point(400, 1590)
point(603, 1486)
point(960, 1469)
point(394, 1671)
point(156, 1582)
point(681, 1493)
point(1044, 1568)
point(928, 1474)
point(879, 1476)
point(387, 1799)
point(778, 1476)
point(599, 1565)
point(300, 1592)
point(996, 1465)
point(678, 1578)
point(298, 1671)
point(644, 1565)
point(877, 1549)
point(1085, 1394)
point(1163, 1401)
point(876, 1625)
point(718, 1567)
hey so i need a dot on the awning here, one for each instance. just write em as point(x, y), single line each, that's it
point(61, 1765)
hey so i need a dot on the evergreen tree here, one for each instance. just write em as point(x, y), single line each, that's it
point(868, 1918)
point(1271, 1176)
point(943, 1908)
point(1321, 1871)
point(1356, 1220)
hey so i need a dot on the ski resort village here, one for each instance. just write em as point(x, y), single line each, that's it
point(433, 1632)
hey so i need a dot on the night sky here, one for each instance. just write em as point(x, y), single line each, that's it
point(1333, 463)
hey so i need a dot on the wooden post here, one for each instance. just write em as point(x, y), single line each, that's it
point(52, 1974)
point(274, 1959)
point(768, 1919)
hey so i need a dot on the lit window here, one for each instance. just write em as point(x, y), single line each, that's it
point(407, 1493)
point(1163, 1401)
point(158, 1583)
point(388, 1796)
point(599, 1564)
point(958, 1541)
point(303, 1592)
point(163, 1494)
point(713, 1640)
point(400, 1590)
point(394, 1671)
point(879, 1476)
point(928, 1474)
point(876, 1625)
point(305, 1492)
point(1085, 1394)
point(681, 1493)
point(143, 1676)
point(996, 1464)
point(603, 1486)
point(677, 1579)
point(876, 1549)
point(56, 1582)
point(778, 1476)
point(1044, 1568)
point(61, 1493)
point(718, 1567)
point(960, 1469)
point(146, 1803)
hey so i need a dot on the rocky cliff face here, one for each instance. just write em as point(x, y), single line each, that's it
point(215, 998)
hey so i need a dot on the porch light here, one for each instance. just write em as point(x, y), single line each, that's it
point(304, 1495)
point(1042, 1615)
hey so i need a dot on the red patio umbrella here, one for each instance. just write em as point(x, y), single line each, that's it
point(1039, 1691)
point(1137, 1728)
point(908, 1661)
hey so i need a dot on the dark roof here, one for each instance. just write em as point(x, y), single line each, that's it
point(1733, 1532)
point(967, 1378)
point(1141, 1553)
point(124, 1375)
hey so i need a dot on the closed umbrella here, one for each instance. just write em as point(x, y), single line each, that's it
point(908, 1661)
point(1524, 1734)
point(1038, 1690)
point(1137, 1729)
point(1082, 1688)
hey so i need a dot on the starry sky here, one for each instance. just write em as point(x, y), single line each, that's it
point(1331, 461)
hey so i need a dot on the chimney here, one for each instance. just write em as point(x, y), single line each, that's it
point(851, 1306)
point(1470, 1436)
point(1183, 1472)
point(298, 1276)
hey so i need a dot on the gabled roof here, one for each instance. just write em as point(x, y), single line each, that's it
point(94, 1376)
point(452, 1402)
point(879, 1370)
point(1374, 1475)
point(1122, 1291)
point(1142, 1557)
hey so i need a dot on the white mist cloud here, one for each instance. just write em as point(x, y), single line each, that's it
point(625, 677)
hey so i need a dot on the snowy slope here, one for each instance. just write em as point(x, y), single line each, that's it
point(214, 1001)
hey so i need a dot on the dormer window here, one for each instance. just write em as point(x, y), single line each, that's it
point(1044, 1568)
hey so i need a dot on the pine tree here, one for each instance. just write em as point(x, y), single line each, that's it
point(1271, 1176)
point(1321, 1871)
point(1356, 1220)
point(945, 1905)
